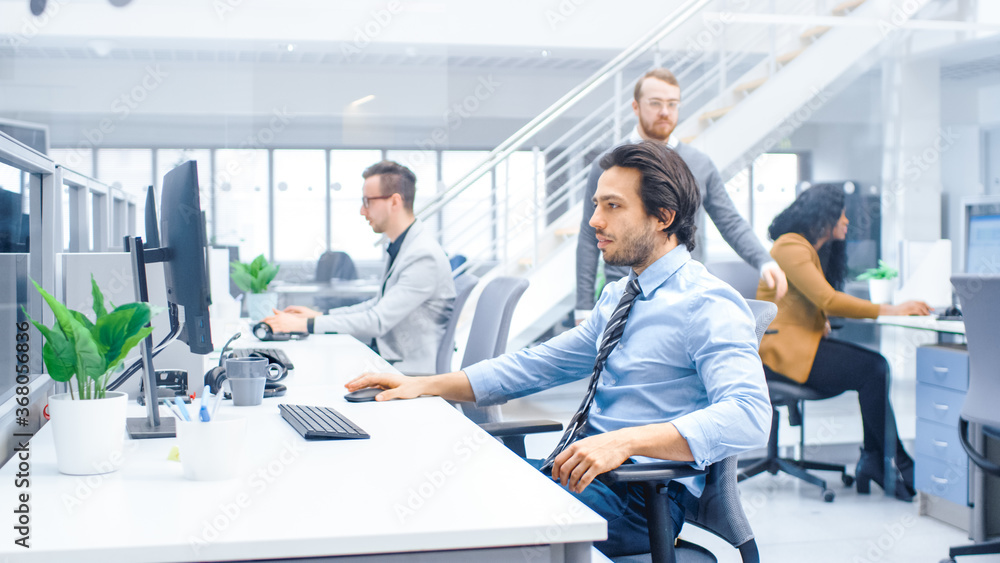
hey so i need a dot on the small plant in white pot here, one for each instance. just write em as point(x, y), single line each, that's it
point(880, 282)
point(88, 423)
point(253, 279)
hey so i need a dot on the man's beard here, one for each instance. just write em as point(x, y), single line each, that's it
point(633, 249)
point(647, 128)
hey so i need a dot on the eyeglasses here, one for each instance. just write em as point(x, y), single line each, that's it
point(658, 105)
point(365, 200)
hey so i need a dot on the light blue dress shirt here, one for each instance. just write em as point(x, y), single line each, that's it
point(688, 356)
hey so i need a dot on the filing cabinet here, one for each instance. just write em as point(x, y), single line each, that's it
point(942, 466)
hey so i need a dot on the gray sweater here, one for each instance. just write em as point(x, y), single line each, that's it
point(714, 200)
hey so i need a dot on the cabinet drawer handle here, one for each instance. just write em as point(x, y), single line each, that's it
point(942, 371)
point(940, 444)
point(940, 407)
point(939, 480)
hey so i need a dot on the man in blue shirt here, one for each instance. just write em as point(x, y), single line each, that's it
point(683, 383)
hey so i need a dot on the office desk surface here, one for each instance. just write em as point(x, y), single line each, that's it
point(923, 323)
point(427, 480)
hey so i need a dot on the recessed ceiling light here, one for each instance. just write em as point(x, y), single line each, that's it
point(363, 100)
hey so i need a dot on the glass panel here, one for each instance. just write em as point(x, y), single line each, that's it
point(13, 211)
point(775, 176)
point(77, 160)
point(469, 220)
point(130, 169)
point(515, 193)
point(65, 218)
point(299, 204)
point(242, 187)
point(350, 232)
point(167, 160)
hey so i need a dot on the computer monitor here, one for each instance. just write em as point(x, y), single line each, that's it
point(182, 234)
point(981, 251)
point(152, 219)
point(184, 253)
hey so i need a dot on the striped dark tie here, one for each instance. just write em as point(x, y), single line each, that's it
point(612, 334)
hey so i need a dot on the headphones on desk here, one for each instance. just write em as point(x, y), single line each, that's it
point(215, 376)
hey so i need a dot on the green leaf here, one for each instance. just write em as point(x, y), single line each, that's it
point(112, 331)
point(89, 362)
point(143, 312)
point(63, 316)
point(242, 279)
point(82, 319)
point(99, 310)
point(130, 343)
point(59, 359)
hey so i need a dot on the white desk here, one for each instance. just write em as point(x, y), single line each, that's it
point(923, 323)
point(428, 480)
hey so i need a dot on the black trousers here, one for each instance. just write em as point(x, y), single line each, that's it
point(841, 366)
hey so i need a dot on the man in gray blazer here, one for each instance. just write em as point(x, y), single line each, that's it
point(406, 320)
point(656, 102)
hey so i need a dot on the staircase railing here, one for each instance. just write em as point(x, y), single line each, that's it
point(705, 53)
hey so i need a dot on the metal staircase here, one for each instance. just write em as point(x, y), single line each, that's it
point(751, 71)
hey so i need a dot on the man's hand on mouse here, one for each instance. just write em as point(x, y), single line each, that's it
point(285, 322)
point(396, 386)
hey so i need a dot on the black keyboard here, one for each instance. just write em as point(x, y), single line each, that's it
point(276, 354)
point(321, 423)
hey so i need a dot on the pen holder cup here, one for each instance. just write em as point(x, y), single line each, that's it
point(211, 451)
point(247, 391)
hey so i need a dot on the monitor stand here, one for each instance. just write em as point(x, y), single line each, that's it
point(150, 426)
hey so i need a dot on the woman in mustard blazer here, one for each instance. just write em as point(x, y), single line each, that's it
point(809, 247)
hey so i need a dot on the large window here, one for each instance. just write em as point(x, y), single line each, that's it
point(759, 192)
point(349, 232)
point(299, 204)
point(242, 209)
point(469, 219)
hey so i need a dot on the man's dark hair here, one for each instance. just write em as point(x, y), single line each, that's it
point(666, 185)
point(396, 179)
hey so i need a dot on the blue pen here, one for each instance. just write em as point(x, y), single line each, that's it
point(203, 411)
point(182, 408)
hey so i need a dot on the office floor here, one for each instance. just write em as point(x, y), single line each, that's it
point(790, 520)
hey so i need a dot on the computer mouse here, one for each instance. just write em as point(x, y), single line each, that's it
point(363, 395)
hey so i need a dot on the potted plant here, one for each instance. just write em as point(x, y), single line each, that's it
point(88, 422)
point(253, 279)
point(880, 282)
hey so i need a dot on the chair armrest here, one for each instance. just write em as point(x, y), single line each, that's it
point(520, 427)
point(654, 471)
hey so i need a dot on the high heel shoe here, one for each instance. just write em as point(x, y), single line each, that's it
point(870, 469)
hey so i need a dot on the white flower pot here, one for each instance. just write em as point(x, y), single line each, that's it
point(880, 291)
point(89, 435)
point(260, 305)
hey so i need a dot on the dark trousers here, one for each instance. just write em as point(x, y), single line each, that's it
point(841, 366)
point(624, 507)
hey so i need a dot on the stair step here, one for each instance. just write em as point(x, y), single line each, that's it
point(689, 139)
point(844, 7)
point(786, 58)
point(814, 33)
point(716, 113)
point(750, 85)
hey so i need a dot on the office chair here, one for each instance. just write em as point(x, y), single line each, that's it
point(979, 295)
point(464, 284)
point(744, 278)
point(718, 509)
point(334, 265)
